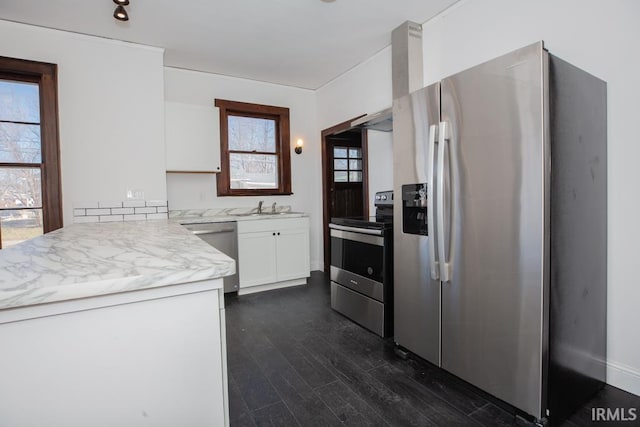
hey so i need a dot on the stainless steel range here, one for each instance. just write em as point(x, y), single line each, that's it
point(362, 267)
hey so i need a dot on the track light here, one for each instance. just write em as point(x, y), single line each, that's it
point(120, 13)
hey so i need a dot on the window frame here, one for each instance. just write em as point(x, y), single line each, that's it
point(283, 147)
point(46, 76)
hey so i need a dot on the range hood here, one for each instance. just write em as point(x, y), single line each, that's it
point(406, 73)
point(382, 121)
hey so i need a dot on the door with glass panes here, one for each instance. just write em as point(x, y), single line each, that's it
point(345, 183)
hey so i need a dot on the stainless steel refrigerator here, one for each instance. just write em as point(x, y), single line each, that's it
point(500, 235)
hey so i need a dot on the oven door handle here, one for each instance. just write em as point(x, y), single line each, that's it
point(356, 229)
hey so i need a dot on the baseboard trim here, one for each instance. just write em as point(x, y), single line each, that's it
point(271, 286)
point(623, 377)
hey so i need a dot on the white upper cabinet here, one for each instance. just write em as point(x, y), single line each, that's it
point(192, 137)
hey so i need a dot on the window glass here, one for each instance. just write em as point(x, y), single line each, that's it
point(355, 176)
point(253, 171)
point(19, 225)
point(251, 134)
point(339, 152)
point(20, 143)
point(341, 164)
point(341, 176)
point(355, 153)
point(355, 164)
point(21, 188)
point(19, 101)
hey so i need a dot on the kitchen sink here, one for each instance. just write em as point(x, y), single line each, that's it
point(267, 213)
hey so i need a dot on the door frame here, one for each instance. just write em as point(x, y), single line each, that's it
point(333, 130)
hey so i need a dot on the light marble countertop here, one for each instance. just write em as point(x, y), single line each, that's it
point(198, 216)
point(84, 260)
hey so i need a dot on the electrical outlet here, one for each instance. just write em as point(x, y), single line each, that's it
point(135, 194)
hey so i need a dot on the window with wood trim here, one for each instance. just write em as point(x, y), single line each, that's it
point(255, 151)
point(30, 196)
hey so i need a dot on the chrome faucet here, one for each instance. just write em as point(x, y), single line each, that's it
point(260, 206)
point(273, 207)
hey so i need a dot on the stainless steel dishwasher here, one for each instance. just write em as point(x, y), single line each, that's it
point(224, 237)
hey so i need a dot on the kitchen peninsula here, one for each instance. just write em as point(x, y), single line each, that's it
point(113, 324)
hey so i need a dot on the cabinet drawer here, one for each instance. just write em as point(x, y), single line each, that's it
point(276, 224)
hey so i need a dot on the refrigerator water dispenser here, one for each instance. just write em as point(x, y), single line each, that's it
point(414, 209)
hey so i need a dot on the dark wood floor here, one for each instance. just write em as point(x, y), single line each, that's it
point(294, 361)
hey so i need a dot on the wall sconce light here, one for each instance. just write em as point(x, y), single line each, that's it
point(299, 144)
point(120, 13)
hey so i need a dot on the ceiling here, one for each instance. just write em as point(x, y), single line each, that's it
point(301, 43)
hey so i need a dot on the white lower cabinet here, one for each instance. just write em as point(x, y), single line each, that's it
point(155, 356)
point(272, 253)
point(292, 249)
point(257, 255)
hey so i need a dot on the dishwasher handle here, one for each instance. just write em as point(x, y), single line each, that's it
point(216, 231)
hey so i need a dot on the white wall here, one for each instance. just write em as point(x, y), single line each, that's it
point(111, 111)
point(602, 39)
point(199, 191)
point(364, 89)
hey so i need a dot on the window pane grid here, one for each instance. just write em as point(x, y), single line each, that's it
point(21, 159)
point(347, 164)
point(269, 153)
point(19, 122)
point(28, 120)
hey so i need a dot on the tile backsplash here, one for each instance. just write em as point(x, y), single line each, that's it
point(110, 211)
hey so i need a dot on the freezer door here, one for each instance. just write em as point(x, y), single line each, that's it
point(495, 171)
point(416, 287)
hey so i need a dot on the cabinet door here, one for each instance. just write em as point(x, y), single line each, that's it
point(257, 258)
point(192, 137)
point(292, 254)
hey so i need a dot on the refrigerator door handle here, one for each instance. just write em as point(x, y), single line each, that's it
point(433, 135)
point(443, 140)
